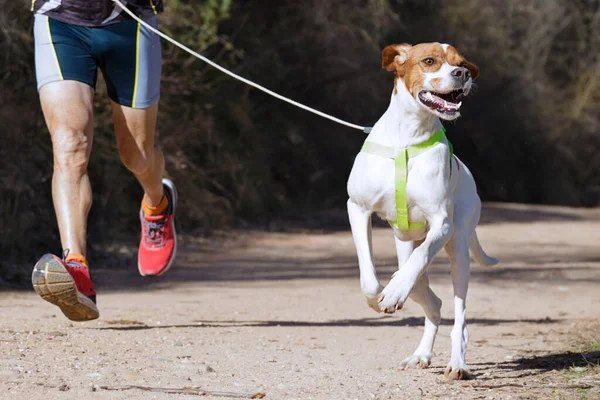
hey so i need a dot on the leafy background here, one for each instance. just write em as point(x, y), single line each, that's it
point(241, 159)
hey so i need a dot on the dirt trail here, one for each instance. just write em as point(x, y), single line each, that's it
point(283, 314)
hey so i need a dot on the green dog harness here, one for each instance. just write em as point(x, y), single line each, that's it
point(401, 157)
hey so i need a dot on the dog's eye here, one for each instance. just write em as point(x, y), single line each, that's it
point(428, 61)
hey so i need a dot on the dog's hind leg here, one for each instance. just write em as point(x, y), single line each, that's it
point(423, 295)
point(360, 222)
point(458, 252)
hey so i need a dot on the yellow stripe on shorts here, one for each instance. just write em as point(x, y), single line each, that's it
point(137, 64)
point(54, 50)
point(153, 8)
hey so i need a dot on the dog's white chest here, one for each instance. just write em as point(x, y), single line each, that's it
point(372, 186)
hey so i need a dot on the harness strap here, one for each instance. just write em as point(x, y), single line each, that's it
point(401, 157)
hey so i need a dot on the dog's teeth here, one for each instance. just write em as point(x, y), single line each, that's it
point(459, 104)
point(445, 104)
point(429, 96)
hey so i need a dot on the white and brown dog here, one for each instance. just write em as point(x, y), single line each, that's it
point(440, 196)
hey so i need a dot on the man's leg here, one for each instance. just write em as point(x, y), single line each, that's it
point(132, 71)
point(67, 107)
point(135, 131)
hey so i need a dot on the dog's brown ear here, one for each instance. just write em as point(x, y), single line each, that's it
point(473, 69)
point(394, 56)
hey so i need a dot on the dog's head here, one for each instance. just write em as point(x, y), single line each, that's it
point(435, 75)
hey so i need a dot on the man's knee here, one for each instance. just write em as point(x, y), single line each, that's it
point(71, 149)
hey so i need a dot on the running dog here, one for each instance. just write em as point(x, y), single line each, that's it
point(407, 173)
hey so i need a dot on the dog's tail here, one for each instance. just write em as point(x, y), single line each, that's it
point(478, 253)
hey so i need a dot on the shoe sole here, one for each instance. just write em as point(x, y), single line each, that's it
point(169, 183)
point(53, 283)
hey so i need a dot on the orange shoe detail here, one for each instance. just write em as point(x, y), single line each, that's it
point(80, 258)
point(150, 211)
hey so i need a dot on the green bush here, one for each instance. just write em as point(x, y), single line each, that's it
point(241, 158)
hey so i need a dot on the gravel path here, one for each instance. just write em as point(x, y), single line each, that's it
point(282, 314)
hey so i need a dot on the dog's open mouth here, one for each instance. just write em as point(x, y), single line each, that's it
point(445, 103)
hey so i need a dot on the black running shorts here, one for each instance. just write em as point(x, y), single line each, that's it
point(127, 53)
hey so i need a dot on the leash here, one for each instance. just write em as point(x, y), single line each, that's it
point(365, 129)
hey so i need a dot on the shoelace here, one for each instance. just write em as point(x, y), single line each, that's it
point(75, 264)
point(154, 231)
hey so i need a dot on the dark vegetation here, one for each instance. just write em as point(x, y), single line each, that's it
point(241, 158)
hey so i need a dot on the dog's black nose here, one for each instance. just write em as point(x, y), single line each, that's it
point(461, 73)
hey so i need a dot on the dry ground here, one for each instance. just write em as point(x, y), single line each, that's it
point(282, 314)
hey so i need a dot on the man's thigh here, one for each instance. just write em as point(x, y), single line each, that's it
point(68, 108)
point(63, 53)
point(135, 127)
point(131, 59)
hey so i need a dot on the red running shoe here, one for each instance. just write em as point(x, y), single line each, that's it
point(159, 239)
point(66, 284)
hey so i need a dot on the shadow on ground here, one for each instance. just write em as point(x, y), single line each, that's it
point(506, 212)
point(363, 322)
point(536, 365)
point(337, 220)
point(259, 268)
point(197, 263)
point(256, 270)
point(550, 362)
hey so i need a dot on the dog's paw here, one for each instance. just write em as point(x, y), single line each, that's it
point(457, 373)
point(389, 304)
point(371, 291)
point(416, 360)
point(392, 298)
point(373, 302)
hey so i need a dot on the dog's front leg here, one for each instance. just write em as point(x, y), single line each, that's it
point(360, 222)
point(398, 289)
